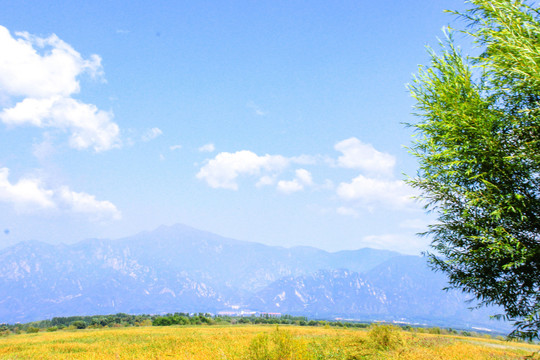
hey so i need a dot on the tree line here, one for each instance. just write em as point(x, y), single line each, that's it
point(200, 319)
point(178, 318)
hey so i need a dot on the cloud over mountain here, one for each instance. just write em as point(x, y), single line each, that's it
point(375, 186)
point(225, 168)
point(371, 191)
point(30, 195)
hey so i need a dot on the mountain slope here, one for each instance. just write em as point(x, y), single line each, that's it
point(179, 268)
point(402, 288)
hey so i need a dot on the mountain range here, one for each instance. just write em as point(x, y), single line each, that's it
point(181, 269)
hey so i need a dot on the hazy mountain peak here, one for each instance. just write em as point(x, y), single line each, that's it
point(179, 268)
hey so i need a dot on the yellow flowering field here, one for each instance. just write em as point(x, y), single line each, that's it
point(252, 342)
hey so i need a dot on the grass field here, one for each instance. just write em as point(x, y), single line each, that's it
point(254, 342)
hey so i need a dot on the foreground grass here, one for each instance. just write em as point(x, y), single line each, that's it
point(253, 343)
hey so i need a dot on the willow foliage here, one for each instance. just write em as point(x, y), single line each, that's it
point(477, 141)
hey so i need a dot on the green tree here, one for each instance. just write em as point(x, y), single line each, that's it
point(162, 321)
point(477, 141)
point(79, 324)
point(32, 330)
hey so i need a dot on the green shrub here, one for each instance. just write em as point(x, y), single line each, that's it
point(279, 345)
point(162, 321)
point(328, 350)
point(384, 337)
point(283, 344)
point(259, 348)
point(79, 324)
point(32, 330)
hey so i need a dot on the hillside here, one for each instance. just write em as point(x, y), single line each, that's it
point(179, 268)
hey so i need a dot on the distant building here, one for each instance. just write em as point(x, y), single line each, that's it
point(270, 314)
point(227, 313)
point(237, 313)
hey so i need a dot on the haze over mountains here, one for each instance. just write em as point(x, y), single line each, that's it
point(181, 269)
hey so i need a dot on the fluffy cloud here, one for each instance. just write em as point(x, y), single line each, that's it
point(45, 72)
point(288, 187)
point(207, 148)
point(24, 72)
point(266, 180)
point(89, 126)
point(26, 194)
point(151, 134)
point(80, 202)
point(376, 185)
point(30, 195)
point(371, 191)
point(358, 155)
point(224, 169)
point(303, 178)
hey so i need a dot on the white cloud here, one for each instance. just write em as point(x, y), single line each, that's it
point(26, 194)
point(403, 243)
point(303, 178)
point(370, 191)
point(89, 126)
point(24, 72)
point(266, 180)
point(151, 134)
point(80, 202)
point(207, 148)
point(29, 195)
point(175, 147)
point(358, 155)
point(307, 159)
point(288, 187)
point(224, 169)
point(46, 81)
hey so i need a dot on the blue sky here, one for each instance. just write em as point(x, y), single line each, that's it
point(279, 122)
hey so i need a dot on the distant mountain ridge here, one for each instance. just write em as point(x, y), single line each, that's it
point(178, 268)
